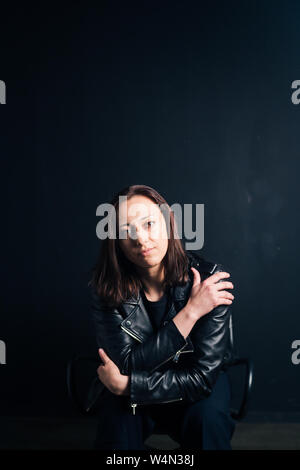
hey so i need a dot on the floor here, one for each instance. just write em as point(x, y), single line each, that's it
point(26, 433)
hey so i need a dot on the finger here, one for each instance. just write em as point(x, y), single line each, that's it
point(226, 301)
point(226, 295)
point(103, 356)
point(224, 285)
point(196, 277)
point(217, 277)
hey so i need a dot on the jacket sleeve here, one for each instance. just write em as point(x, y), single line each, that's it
point(124, 350)
point(194, 381)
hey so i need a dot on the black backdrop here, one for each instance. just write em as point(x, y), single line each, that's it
point(192, 98)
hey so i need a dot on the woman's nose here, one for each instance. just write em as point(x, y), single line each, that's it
point(139, 235)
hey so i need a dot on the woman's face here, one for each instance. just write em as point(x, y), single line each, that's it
point(146, 228)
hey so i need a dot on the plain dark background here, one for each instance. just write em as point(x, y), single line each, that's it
point(191, 98)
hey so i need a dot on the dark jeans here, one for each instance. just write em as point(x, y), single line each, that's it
point(204, 424)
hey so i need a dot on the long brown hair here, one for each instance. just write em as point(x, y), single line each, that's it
point(114, 276)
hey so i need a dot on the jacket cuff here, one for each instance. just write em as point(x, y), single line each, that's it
point(137, 385)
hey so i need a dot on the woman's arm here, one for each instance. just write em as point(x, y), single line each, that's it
point(170, 339)
point(191, 382)
point(109, 373)
point(129, 354)
point(195, 381)
point(184, 321)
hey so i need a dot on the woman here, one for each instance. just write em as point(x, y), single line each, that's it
point(162, 324)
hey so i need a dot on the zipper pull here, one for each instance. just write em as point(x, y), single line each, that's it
point(176, 357)
point(133, 405)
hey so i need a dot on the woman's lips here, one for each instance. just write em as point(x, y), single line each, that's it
point(146, 252)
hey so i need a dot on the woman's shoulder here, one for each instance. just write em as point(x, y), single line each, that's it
point(206, 266)
point(202, 263)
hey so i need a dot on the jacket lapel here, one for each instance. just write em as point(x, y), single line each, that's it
point(137, 321)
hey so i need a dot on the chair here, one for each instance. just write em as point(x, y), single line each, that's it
point(86, 405)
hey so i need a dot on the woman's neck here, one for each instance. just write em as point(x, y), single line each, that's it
point(152, 280)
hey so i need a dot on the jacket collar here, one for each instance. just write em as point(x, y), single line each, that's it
point(137, 320)
point(177, 293)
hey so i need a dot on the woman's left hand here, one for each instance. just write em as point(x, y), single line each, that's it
point(110, 375)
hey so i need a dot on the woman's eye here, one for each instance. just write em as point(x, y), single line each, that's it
point(150, 222)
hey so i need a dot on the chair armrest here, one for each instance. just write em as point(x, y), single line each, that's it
point(238, 415)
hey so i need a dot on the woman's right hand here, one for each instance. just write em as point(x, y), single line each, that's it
point(207, 295)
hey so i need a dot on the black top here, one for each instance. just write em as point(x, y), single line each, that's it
point(156, 310)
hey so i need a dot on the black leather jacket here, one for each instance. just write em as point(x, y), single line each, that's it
point(164, 366)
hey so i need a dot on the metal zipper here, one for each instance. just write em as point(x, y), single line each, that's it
point(134, 405)
point(176, 356)
point(156, 367)
point(188, 350)
point(169, 401)
point(175, 359)
point(131, 334)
